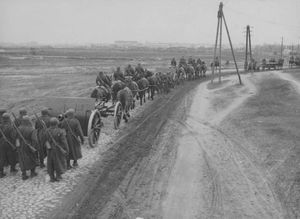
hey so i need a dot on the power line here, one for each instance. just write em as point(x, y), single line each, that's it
point(263, 20)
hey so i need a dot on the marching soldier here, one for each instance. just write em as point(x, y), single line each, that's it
point(22, 113)
point(73, 131)
point(45, 119)
point(182, 62)
point(103, 80)
point(173, 62)
point(139, 69)
point(8, 153)
point(118, 75)
point(57, 150)
point(26, 140)
point(199, 61)
point(129, 71)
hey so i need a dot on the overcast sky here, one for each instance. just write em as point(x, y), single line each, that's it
point(184, 21)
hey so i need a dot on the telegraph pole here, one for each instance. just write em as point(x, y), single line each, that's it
point(221, 18)
point(281, 50)
point(246, 55)
point(248, 47)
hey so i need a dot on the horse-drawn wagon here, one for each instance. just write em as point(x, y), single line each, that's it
point(89, 113)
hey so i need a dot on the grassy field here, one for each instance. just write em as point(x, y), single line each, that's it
point(27, 77)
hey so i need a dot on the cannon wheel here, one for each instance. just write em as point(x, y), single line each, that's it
point(94, 128)
point(118, 115)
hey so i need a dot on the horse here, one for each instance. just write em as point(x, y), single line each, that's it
point(101, 93)
point(190, 72)
point(125, 97)
point(203, 69)
point(103, 79)
point(132, 85)
point(115, 88)
point(119, 76)
point(198, 71)
point(171, 81)
point(143, 85)
point(215, 64)
point(165, 82)
point(153, 83)
point(159, 82)
point(280, 63)
point(291, 61)
point(181, 74)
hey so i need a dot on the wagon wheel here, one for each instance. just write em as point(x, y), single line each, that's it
point(118, 115)
point(94, 128)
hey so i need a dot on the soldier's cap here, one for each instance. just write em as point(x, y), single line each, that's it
point(45, 112)
point(23, 111)
point(53, 121)
point(6, 117)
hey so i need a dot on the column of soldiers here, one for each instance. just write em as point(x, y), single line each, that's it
point(27, 143)
point(183, 62)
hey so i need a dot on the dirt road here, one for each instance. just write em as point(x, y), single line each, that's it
point(203, 151)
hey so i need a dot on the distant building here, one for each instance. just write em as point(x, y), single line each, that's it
point(122, 43)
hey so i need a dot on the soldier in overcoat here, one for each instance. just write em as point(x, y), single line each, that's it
point(57, 150)
point(26, 144)
point(45, 119)
point(8, 154)
point(74, 137)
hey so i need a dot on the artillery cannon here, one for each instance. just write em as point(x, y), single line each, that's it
point(88, 112)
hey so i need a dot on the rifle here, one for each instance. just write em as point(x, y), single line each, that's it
point(47, 131)
point(22, 137)
point(7, 141)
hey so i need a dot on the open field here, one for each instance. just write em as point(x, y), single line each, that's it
point(202, 151)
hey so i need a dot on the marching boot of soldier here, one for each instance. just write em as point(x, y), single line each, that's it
point(74, 132)
point(26, 143)
point(8, 154)
point(57, 150)
point(41, 124)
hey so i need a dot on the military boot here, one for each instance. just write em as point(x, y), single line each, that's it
point(52, 178)
point(42, 165)
point(75, 164)
point(2, 174)
point(24, 175)
point(68, 165)
point(33, 173)
point(13, 169)
point(58, 177)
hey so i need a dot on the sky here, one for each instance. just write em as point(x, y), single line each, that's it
point(182, 21)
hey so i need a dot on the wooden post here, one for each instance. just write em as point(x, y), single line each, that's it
point(220, 52)
point(219, 26)
point(215, 51)
point(281, 47)
point(237, 70)
point(250, 48)
point(246, 55)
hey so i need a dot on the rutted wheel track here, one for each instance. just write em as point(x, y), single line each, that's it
point(216, 205)
point(127, 152)
point(248, 155)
